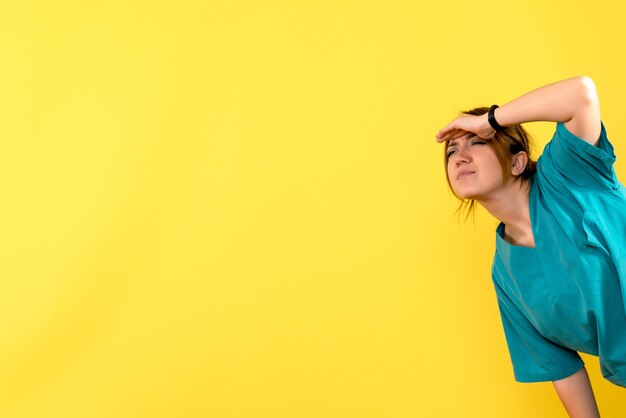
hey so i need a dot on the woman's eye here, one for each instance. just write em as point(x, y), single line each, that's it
point(451, 152)
point(478, 142)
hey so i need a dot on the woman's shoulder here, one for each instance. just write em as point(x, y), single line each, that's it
point(568, 161)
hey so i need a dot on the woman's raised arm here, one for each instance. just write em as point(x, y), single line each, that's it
point(573, 101)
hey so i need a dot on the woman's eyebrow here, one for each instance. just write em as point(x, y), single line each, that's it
point(468, 135)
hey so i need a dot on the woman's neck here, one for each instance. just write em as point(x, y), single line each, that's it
point(510, 206)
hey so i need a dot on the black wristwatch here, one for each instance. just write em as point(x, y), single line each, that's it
point(492, 119)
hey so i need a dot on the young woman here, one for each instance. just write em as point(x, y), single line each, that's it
point(559, 268)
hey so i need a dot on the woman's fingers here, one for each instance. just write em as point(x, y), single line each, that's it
point(459, 127)
point(459, 134)
point(445, 132)
point(445, 136)
point(450, 134)
point(450, 130)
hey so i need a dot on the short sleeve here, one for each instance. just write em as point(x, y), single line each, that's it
point(578, 162)
point(534, 357)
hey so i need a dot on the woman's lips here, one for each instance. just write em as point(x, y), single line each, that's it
point(464, 174)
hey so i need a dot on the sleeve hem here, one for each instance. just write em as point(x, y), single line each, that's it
point(548, 377)
point(618, 378)
point(604, 150)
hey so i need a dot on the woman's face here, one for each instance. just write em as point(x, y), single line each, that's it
point(473, 167)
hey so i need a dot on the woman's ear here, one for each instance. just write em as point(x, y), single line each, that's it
point(520, 160)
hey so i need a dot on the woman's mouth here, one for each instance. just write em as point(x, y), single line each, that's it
point(463, 174)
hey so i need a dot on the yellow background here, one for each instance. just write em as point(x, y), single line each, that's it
point(238, 209)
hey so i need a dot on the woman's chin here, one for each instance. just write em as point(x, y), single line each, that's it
point(468, 194)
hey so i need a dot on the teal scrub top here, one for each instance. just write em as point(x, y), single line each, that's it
point(568, 294)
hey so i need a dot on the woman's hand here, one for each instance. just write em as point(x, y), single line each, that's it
point(573, 101)
point(463, 124)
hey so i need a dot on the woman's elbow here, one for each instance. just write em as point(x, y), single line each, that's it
point(589, 94)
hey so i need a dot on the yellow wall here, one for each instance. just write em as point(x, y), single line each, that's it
point(238, 209)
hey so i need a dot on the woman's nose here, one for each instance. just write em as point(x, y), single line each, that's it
point(462, 156)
